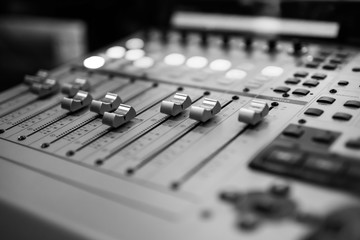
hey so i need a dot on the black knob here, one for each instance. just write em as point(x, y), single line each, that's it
point(248, 43)
point(298, 47)
point(204, 39)
point(272, 45)
point(183, 37)
point(164, 35)
point(225, 41)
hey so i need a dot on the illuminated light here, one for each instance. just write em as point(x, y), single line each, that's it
point(144, 62)
point(134, 54)
point(196, 62)
point(220, 65)
point(267, 25)
point(174, 59)
point(115, 52)
point(134, 43)
point(94, 62)
point(272, 71)
point(236, 74)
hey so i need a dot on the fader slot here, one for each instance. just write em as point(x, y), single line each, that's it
point(163, 127)
point(145, 147)
point(192, 148)
point(125, 88)
point(100, 134)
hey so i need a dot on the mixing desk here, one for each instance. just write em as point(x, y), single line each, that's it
point(188, 135)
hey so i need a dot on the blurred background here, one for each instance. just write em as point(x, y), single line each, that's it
point(42, 34)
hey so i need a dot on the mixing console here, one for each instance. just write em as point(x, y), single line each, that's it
point(189, 135)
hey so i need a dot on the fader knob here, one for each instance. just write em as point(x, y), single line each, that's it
point(40, 76)
point(208, 109)
point(179, 103)
point(109, 103)
point(45, 88)
point(79, 101)
point(70, 89)
point(254, 112)
point(123, 114)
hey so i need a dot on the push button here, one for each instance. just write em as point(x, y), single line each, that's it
point(301, 74)
point(282, 89)
point(326, 100)
point(330, 66)
point(312, 65)
point(336, 61)
point(319, 76)
point(311, 83)
point(353, 144)
point(323, 165)
point(286, 157)
point(292, 81)
point(314, 112)
point(342, 116)
point(352, 104)
point(343, 83)
point(353, 171)
point(300, 91)
point(324, 137)
point(293, 131)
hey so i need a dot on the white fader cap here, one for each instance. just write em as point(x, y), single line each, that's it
point(123, 114)
point(176, 105)
point(208, 109)
point(109, 103)
point(254, 112)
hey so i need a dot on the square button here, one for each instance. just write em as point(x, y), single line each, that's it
point(300, 91)
point(293, 131)
point(352, 104)
point(326, 100)
point(325, 164)
point(324, 137)
point(312, 65)
point(281, 89)
point(287, 157)
point(311, 83)
point(292, 81)
point(343, 83)
point(342, 116)
point(353, 144)
point(314, 112)
point(319, 76)
point(301, 74)
point(330, 66)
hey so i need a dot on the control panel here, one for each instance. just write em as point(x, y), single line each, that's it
point(193, 135)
